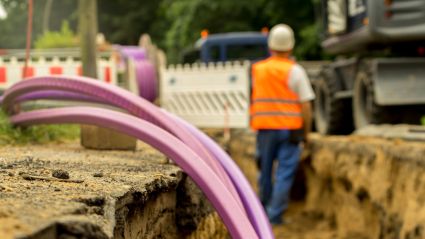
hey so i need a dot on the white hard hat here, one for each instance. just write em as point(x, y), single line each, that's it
point(281, 38)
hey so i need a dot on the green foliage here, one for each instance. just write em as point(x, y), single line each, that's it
point(173, 24)
point(13, 28)
point(61, 39)
point(423, 120)
point(176, 24)
point(187, 18)
point(123, 21)
point(308, 47)
point(35, 134)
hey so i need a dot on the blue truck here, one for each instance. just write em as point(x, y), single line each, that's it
point(223, 47)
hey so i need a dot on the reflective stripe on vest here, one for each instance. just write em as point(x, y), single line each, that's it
point(274, 104)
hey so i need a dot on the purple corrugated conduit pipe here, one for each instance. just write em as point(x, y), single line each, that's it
point(122, 99)
point(227, 207)
point(56, 95)
point(249, 199)
point(242, 185)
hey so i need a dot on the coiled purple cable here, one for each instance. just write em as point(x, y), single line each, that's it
point(133, 52)
point(144, 70)
point(146, 79)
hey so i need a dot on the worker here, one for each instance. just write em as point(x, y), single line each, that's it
point(281, 114)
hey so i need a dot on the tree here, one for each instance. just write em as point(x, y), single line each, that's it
point(172, 24)
point(189, 17)
point(123, 21)
point(301, 16)
point(13, 28)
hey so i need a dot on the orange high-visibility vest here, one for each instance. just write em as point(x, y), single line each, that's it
point(273, 104)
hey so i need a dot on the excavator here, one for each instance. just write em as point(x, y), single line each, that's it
point(378, 75)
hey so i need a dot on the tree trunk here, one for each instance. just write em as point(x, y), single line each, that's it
point(46, 17)
point(91, 136)
point(88, 30)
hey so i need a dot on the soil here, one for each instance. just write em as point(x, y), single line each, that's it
point(370, 187)
point(105, 194)
point(299, 223)
point(65, 191)
point(350, 187)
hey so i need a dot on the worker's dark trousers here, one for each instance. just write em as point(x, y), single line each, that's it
point(275, 145)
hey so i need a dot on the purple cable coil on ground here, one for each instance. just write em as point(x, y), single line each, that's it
point(146, 79)
point(133, 52)
point(144, 70)
point(234, 217)
point(249, 199)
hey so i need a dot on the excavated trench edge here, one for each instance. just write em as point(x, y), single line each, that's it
point(186, 214)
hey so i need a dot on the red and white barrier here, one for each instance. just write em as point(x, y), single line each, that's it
point(12, 69)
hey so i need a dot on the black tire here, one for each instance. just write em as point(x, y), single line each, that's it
point(365, 109)
point(331, 115)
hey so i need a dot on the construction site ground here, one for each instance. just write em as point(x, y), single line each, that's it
point(65, 191)
point(349, 187)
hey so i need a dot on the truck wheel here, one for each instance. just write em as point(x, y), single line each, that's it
point(365, 109)
point(331, 115)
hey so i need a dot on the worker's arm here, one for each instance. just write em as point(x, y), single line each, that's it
point(306, 114)
point(301, 85)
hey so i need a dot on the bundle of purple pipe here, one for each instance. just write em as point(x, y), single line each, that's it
point(200, 157)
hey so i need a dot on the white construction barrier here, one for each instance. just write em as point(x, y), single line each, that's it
point(209, 96)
